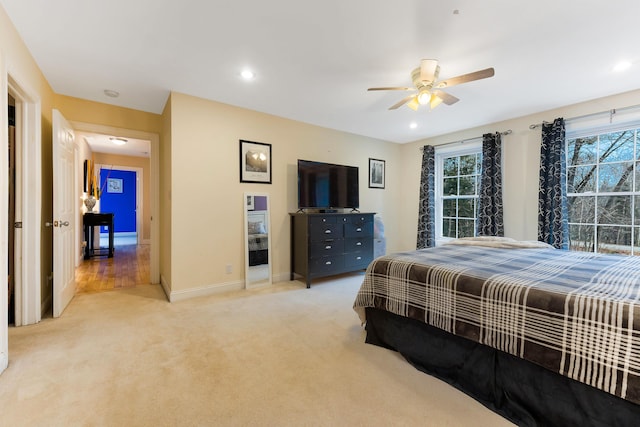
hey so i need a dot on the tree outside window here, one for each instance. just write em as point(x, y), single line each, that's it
point(603, 185)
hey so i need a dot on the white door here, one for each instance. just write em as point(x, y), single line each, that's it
point(64, 284)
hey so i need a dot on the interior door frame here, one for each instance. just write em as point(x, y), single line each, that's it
point(154, 185)
point(28, 105)
point(139, 193)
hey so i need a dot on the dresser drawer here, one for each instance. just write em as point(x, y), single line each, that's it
point(325, 231)
point(326, 264)
point(357, 244)
point(356, 229)
point(357, 260)
point(326, 248)
point(358, 219)
point(321, 220)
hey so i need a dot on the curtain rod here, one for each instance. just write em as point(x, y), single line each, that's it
point(612, 112)
point(462, 141)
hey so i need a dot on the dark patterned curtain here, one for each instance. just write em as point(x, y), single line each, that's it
point(553, 227)
point(490, 217)
point(427, 211)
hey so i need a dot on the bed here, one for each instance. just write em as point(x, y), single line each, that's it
point(538, 335)
point(257, 236)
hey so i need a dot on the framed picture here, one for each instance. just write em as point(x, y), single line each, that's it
point(255, 162)
point(114, 185)
point(250, 203)
point(376, 173)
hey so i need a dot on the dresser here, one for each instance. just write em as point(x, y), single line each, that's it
point(324, 244)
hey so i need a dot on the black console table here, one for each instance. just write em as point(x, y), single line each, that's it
point(91, 220)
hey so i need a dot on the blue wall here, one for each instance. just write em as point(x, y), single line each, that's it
point(123, 205)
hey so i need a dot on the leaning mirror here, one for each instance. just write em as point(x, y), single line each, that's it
point(257, 241)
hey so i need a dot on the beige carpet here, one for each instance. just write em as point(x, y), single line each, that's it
point(282, 356)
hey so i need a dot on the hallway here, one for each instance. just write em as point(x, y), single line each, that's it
point(128, 268)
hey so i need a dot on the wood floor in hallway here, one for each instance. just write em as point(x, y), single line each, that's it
point(128, 268)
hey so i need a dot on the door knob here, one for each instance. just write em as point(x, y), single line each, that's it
point(64, 224)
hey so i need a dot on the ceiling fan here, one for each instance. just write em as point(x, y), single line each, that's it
point(428, 89)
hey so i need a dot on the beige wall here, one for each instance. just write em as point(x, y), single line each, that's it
point(108, 160)
point(206, 195)
point(521, 159)
point(81, 110)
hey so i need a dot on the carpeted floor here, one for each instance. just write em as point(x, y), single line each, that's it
point(281, 356)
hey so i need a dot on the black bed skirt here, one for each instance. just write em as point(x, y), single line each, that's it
point(520, 391)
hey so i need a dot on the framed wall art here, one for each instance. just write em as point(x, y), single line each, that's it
point(255, 162)
point(376, 173)
point(114, 185)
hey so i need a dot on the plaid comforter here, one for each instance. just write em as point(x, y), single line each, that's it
point(574, 313)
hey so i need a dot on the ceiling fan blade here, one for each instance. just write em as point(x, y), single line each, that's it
point(402, 102)
point(465, 78)
point(444, 97)
point(391, 88)
point(428, 69)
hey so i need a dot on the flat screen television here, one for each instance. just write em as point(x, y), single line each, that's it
point(327, 186)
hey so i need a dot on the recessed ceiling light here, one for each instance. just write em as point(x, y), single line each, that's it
point(622, 66)
point(111, 93)
point(247, 74)
point(118, 141)
point(413, 125)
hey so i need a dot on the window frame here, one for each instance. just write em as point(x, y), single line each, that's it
point(597, 131)
point(440, 154)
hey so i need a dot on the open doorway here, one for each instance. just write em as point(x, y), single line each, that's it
point(123, 170)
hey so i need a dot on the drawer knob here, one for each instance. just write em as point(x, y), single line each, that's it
point(328, 263)
point(328, 247)
point(359, 244)
point(358, 258)
point(327, 231)
point(358, 229)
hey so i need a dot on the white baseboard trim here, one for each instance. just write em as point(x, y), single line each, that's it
point(281, 277)
point(4, 361)
point(218, 288)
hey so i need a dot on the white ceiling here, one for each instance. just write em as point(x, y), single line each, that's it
point(101, 143)
point(314, 60)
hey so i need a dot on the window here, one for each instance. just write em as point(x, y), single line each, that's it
point(603, 189)
point(457, 184)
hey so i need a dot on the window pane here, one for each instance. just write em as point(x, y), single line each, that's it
point(636, 245)
point(466, 208)
point(467, 185)
point(614, 210)
point(638, 172)
point(637, 211)
point(450, 187)
point(468, 164)
point(466, 228)
point(478, 163)
point(616, 146)
point(581, 179)
point(582, 209)
point(614, 240)
point(581, 238)
point(450, 166)
point(615, 177)
point(449, 227)
point(449, 207)
point(582, 151)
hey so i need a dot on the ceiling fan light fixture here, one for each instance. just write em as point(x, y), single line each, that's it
point(435, 101)
point(413, 104)
point(424, 97)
